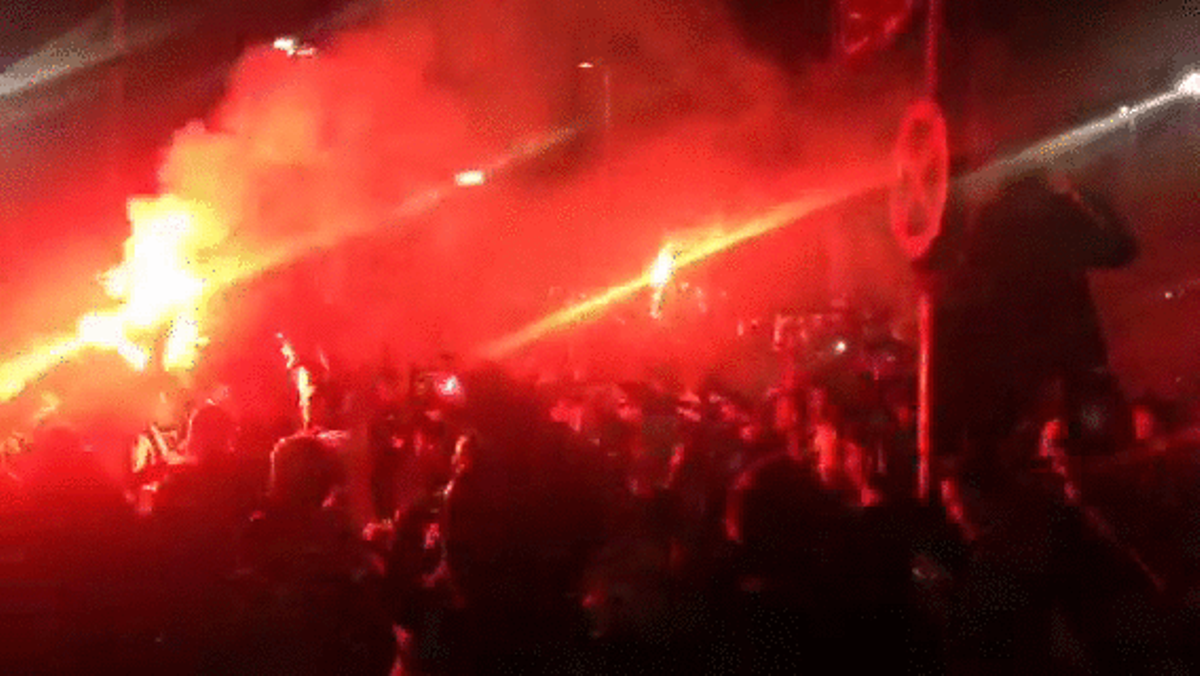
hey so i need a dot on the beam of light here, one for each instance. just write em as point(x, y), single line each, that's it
point(168, 276)
point(288, 351)
point(305, 389)
point(1049, 150)
point(663, 268)
point(661, 273)
point(19, 372)
point(54, 58)
point(36, 107)
point(1043, 152)
point(716, 240)
point(1190, 85)
point(1039, 153)
point(83, 48)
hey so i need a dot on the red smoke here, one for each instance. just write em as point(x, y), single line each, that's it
point(702, 130)
point(324, 150)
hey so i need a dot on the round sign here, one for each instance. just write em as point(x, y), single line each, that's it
point(867, 26)
point(922, 159)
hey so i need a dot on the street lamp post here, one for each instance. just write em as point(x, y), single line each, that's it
point(117, 102)
point(606, 93)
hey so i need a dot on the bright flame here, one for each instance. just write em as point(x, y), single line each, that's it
point(289, 352)
point(663, 268)
point(158, 280)
point(305, 389)
point(660, 275)
point(159, 284)
point(184, 340)
point(108, 331)
point(181, 231)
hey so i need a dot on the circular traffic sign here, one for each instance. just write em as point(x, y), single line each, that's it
point(922, 159)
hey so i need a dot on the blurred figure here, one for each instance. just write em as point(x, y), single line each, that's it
point(816, 578)
point(198, 509)
point(390, 448)
point(67, 604)
point(311, 597)
point(1150, 425)
point(517, 525)
point(208, 482)
point(1018, 310)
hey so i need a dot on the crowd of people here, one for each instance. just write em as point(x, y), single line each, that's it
point(519, 527)
point(469, 521)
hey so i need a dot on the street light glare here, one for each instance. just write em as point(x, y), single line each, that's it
point(469, 178)
point(1190, 84)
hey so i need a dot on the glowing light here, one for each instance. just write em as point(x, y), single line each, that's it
point(470, 178)
point(663, 268)
point(688, 252)
point(449, 387)
point(288, 352)
point(159, 287)
point(305, 389)
point(107, 331)
point(165, 279)
point(184, 340)
point(50, 405)
point(587, 65)
point(1047, 151)
point(660, 275)
point(18, 373)
point(159, 282)
point(293, 47)
point(1190, 85)
point(840, 347)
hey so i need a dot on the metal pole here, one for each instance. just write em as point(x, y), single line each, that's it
point(933, 31)
point(925, 302)
point(607, 107)
point(117, 92)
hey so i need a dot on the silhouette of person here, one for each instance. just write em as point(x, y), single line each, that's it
point(1018, 311)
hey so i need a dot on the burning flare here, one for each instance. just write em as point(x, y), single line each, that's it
point(660, 276)
point(305, 387)
point(164, 281)
point(160, 285)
